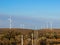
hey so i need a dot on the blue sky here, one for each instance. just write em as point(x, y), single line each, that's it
point(30, 11)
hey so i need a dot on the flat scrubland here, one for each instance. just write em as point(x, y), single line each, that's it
point(40, 37)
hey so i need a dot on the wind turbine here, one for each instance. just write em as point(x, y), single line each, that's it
point(35, 27)
point(36, 35)
point(47, 26)
point(22, 25)
point(37, 31)
point(10, 20)
point(41, 27)
point(51, 25)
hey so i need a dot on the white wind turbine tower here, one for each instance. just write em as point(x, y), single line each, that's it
point(22, 26)
point(10, 20)
point(47, 26)
point(51, 25)
point(41, 27)
point(36, 35)
point(35, 27)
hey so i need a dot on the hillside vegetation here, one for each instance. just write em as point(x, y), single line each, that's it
point(13, 36)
